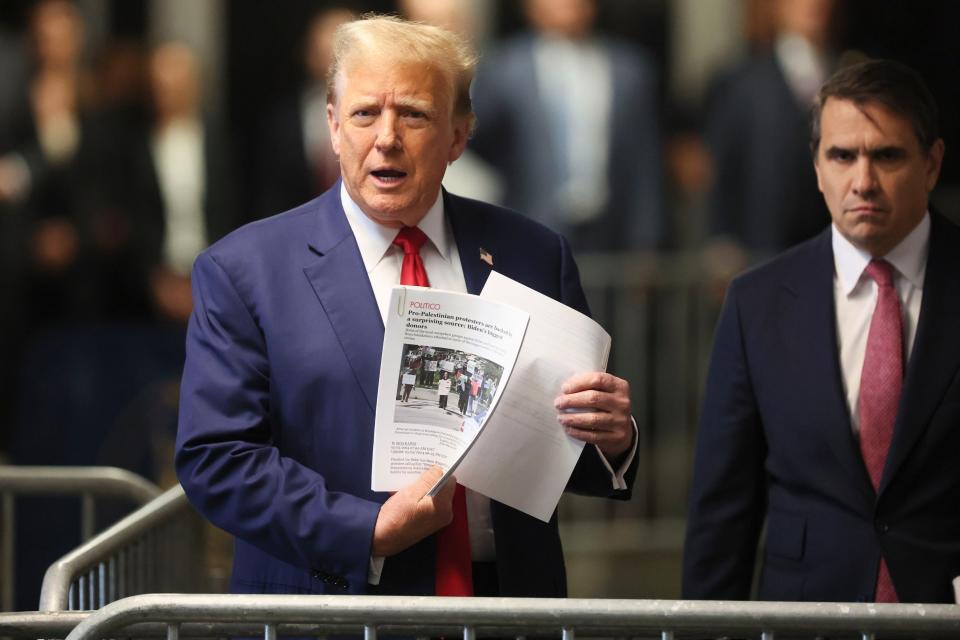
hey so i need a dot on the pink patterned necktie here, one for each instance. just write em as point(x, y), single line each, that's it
point(880, 383)
point(454, 565)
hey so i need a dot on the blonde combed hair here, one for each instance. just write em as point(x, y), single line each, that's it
point(384, 36)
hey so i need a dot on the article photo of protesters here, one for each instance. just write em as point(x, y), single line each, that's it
point(444, 387)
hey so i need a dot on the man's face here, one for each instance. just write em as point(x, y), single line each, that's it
point(394, 133)
point(873, 174)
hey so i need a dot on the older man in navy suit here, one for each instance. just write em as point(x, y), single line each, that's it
point(283, 352)
point(832, 406)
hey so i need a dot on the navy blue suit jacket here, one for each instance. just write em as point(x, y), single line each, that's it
point(775, 441)
point(280, 387)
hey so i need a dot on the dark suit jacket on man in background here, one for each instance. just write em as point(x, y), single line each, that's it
point(764, 193)
point(221, 212)
point(285, 177)
point(513, 135)
point(279, 392)
point(776, 443)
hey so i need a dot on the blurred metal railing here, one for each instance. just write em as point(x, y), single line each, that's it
point(661, 310)
point(273, 616)
point(88, 483)
point(156, 548)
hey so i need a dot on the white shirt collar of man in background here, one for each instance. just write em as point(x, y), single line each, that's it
point(909, 258)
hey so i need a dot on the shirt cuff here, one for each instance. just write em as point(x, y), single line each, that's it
point(375, 570)
point(617, 477)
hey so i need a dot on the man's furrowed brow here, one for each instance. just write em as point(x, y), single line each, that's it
point(835, 151)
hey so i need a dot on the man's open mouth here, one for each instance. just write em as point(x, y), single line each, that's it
point(388, 174)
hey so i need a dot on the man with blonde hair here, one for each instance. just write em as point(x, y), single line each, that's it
point(284, 346)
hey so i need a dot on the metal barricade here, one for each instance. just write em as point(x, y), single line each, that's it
point(661, 310)
point(273, 616)
point(156, 548)
point(36, 624)
point(88, 483)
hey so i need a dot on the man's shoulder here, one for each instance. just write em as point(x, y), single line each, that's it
point(275, 239)
point(508, 225)
point(265, 231)
point(316, 221)
point(795, 263)
point(943, 225)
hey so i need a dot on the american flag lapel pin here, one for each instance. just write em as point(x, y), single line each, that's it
point(485, 256)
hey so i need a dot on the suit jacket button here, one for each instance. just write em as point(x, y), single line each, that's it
point(881, 526)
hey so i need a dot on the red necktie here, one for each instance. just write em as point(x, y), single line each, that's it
point(880, 384)
point(410, 239)
point(454, 568)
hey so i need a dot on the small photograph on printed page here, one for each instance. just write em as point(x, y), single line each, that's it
point(447, 388)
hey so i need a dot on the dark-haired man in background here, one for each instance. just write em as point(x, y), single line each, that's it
point(832, 404)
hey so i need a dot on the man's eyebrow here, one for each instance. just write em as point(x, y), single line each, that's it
point(415, 103)
point(834, 151)
point(362, 101)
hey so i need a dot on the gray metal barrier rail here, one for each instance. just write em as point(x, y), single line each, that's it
point(88, 483)
point(661, 310)
point(156, 548)
point(273, 615)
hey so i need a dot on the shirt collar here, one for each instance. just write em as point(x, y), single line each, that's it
point(375, 240)
point(909, 257)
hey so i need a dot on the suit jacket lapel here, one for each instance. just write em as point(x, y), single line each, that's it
point(472, 236)
point(814, 318)
point(936, 348)
point(339, 279)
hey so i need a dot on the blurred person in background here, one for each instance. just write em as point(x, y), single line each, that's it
point(80, 264)
point(296, 161)
point(570, 120)
point(16, 132)
point(60, 95)
point(185, 181)
point(763, 197)
point(470, 176)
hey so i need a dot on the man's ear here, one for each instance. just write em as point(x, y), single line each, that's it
point(461, 134)
point(934, 162)
point(334, 124)
point(816, 168)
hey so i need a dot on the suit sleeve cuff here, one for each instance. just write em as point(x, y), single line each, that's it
point(617, 477)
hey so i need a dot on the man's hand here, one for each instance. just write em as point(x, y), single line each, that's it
point(408, 516)
point(595, 408)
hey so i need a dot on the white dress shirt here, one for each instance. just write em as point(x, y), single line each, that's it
point(575, 79)
point(179, 158)
point(855, 297)
point(441, 259)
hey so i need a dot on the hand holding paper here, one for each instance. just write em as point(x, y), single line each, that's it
point(409, 515)
point(595, 408)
